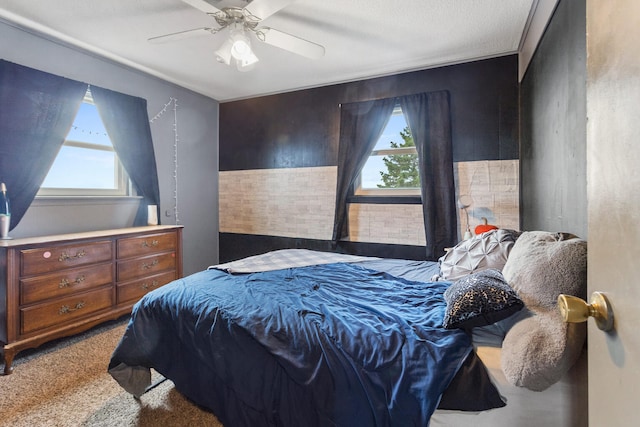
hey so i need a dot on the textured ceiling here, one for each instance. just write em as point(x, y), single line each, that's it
point(362, 38)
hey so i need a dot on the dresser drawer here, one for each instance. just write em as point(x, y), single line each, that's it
point(44, 260)
point(144, 245)
point(63, 310)
point(145, 266)
point(66, 282)
point(134, 290)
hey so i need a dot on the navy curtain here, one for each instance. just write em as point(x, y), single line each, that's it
point(126, 120)
point(428, 116)
point(361, 124)
point(37, 110)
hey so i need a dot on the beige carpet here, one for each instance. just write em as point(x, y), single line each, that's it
point(65, 383)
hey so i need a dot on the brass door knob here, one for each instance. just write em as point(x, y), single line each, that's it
point(576, 310)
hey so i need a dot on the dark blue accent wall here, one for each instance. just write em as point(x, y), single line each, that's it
point(301, 128)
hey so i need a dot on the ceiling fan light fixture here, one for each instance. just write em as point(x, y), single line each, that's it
point(223, 54)
point(236, 50)
point(240, 45)
point(247, 64)
point(239, 23)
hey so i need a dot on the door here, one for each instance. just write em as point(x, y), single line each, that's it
point(613, 190)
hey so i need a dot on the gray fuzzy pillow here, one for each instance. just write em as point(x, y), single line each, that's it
point(539, 350)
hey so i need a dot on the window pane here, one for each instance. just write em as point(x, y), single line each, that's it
point(391, 133)
point(399, 171)
point(393, 164)
point(77, 167)
point(86, 165)
point(88, 127)
point(370, 175)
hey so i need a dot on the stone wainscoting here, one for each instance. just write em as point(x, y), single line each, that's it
point(300, 202)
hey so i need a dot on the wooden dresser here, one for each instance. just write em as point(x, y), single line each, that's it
point(55, 286)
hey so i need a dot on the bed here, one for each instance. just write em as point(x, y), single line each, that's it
point(304, 338)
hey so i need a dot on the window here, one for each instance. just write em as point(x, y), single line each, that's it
point(392, 166)
point(87, 164)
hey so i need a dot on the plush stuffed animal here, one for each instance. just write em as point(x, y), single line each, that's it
point(539, 350)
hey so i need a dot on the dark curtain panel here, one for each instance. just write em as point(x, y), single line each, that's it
point(361, 124)
point(126, 120)
point(429, 119)
point(37, 110)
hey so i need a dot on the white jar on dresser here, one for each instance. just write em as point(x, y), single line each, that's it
point(55, 286)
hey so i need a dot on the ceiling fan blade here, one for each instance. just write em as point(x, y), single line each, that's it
point(262, 9)
point(291, 43)
point(182, 35)
point(203, 6)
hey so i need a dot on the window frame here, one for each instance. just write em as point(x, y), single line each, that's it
point(386, 195)
point(123, 188)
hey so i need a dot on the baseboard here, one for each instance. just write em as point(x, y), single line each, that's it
point(234, 246)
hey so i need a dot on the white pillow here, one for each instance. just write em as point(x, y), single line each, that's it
point(487, 250)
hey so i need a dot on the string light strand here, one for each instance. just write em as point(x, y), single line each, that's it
point(86, 131)
point(175, 160)
point(164, 109)
point(172, 102)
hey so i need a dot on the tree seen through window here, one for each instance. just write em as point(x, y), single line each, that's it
point(392, 166)
point(402, 169)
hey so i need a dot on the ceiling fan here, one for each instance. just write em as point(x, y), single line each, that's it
point(241, 25)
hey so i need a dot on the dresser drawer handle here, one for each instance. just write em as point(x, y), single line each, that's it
point(152, 264)
point(154, 243)
point(154, 284)
point(65, 256)
point(66, 309)
point(64, 283)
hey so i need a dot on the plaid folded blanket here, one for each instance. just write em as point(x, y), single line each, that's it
point(285, 258)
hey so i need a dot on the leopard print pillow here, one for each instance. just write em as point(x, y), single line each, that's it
point(480, 299)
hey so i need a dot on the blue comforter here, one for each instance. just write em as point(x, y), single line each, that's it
point(324, 345)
